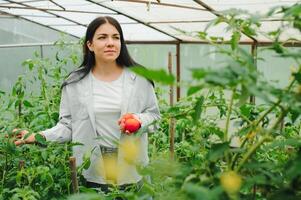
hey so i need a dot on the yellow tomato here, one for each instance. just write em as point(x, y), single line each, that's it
point(110, 168)
point(231, 182)
point(251, 135)
point(130, 150)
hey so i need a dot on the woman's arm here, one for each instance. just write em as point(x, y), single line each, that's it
point(62, 131)
point(151, 111)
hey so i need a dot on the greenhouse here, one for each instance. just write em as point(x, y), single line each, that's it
point(150, 99)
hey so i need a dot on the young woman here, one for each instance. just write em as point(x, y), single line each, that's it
point(95, 97)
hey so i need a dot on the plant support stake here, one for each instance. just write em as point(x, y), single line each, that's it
point(72, 163)
point(172, 120)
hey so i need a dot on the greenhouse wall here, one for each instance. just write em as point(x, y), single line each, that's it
point(274, 68)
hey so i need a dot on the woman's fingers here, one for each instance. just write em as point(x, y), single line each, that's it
point(20, 136)
point(18, 133)
point(29, 140)
point(19, 142)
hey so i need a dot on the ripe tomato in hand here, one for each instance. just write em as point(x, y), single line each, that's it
point(131, 125)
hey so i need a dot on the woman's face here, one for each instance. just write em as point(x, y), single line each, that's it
point(106, 43)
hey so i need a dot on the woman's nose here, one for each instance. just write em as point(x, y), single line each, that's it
point(110, 41)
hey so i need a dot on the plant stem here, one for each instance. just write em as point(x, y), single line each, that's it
point(3, 178)
point(20, 109)
point(261, 141)
point(229, 115)
point(250, 152)
point(227, 125)
point(256, 122)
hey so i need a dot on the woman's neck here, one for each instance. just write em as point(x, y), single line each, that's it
point(107, 71)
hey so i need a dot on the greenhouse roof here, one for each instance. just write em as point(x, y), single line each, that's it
point(147, 20)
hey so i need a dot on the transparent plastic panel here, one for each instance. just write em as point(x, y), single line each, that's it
point(189, 32)
point(190, 3)
point(77, 31)
point(194, 56)
point(155, 57)
point(259, 6)
point(86, 18)
point(80, 5)
point(49, 20)
point(42, 4)
point(165, 17)
point(19, 31)
point(287, 33)
point(139, 32)
point(32, 12)
point(276, 70)
point(11, 64)
point(83, 5)
point(157, 13)
point(50, 52)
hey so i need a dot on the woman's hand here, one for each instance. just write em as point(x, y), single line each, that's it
point(122, 122)
point(21, 134)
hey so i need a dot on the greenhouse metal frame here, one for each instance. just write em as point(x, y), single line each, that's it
point(149, 21)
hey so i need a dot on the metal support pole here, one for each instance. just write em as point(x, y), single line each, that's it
point(254, 55)
point(178, 70)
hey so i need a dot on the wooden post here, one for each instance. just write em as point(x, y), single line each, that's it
point(172, 120)
point(21, 164)
point(72, 164)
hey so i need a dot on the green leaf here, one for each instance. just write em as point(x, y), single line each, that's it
point(245, 110)
point(30, 63)
point(294, 115)
point(40, 139)
point(257, 179)
point(55, 116)
point(278, 48)
point(27, 104)
point(249, 31)
point(202, 35)
point(87, 196)
point(297, 77)
point(194, 89)
point(198, 73)
point(198, 109)
point(26, 135)
point(235, 40)
point(243, 97)
point(293, 167)
point(44, 155)
point(86, 164)
point(217, 151)
point(155, 75)
point(294, 142)
point(196, 192)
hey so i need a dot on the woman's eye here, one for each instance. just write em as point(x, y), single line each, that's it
point(101, 38)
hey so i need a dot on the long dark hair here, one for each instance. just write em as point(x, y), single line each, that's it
point(124, 58)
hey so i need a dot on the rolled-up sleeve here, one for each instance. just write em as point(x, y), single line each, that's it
point(151, 111)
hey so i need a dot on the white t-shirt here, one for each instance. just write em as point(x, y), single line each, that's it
point(107, 109)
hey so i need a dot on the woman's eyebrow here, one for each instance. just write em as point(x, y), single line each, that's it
point(115, 34)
